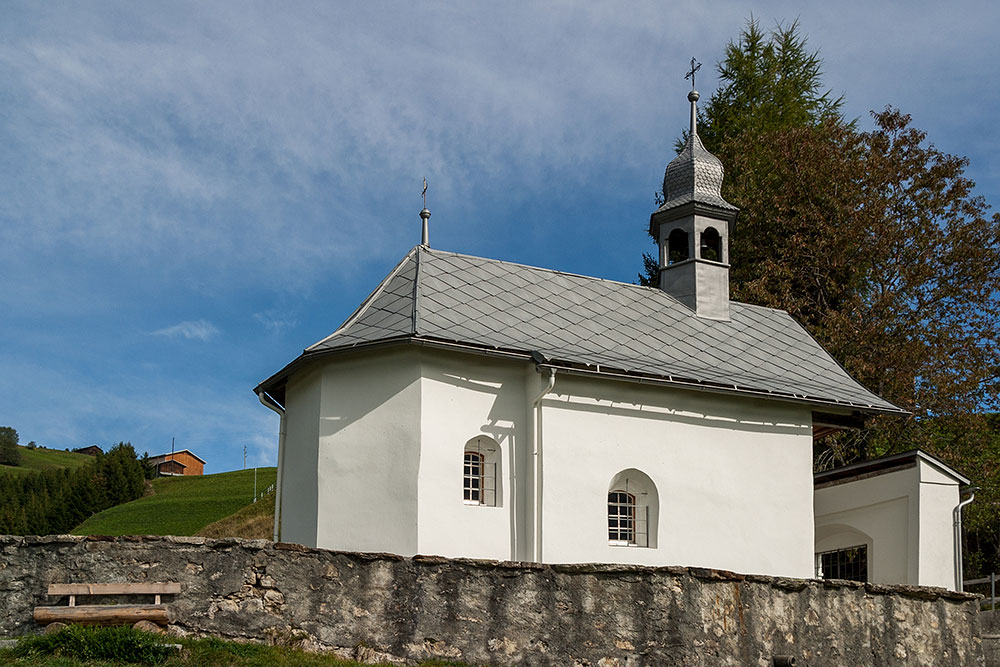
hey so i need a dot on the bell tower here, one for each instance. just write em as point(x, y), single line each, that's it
point(692, 226)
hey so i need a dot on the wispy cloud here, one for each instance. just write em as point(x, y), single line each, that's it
point(193, 330)
point(274, 321)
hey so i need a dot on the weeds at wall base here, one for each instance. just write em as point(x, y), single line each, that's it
point(78, 646)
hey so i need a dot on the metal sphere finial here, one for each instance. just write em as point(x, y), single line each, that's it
point(693, 96)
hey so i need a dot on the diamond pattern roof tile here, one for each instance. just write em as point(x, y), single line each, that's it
point(590, 322)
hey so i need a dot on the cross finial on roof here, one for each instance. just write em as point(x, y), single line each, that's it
point(693, 96)
point(695, 66)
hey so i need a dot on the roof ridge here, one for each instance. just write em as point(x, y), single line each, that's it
point(415, 313)
point(547, 270)
point(655, 290)
point(356, 315)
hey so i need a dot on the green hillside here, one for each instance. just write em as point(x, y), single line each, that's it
point(253, 522)
point(41, 458)
point(180, 505)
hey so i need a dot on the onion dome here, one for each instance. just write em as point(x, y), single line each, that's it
point(695, 175)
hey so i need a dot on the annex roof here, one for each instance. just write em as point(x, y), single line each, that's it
point(883, 465)
point(591, 325)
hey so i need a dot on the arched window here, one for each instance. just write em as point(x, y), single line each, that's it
point(633, 510)
point(677, 246)
point(843, 552)
point(711, 245)
point(481, 472)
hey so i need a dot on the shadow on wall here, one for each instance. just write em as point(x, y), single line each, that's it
point(353, 388)
point(678, 406)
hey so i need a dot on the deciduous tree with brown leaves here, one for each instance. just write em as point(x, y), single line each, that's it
point(878, 244)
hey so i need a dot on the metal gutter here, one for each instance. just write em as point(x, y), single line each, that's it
point(268, 402)
point(695, 385)
point(536, 431)
point(957, 514)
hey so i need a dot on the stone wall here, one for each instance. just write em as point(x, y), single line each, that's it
point(989, 622)
point(378, 606)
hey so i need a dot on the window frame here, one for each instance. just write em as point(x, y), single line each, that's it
point(472, 477)
point(860, 565)
point(485, 481)
point(631, 518)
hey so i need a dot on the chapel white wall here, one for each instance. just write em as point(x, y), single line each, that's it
point(733, 475)
point(369, 453)
point(299, 507)
point(465, 396)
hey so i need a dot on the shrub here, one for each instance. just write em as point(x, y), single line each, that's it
point(10, 455)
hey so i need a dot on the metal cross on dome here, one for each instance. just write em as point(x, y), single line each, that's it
point(695, 66)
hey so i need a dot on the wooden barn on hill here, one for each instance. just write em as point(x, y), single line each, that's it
point(184, 462)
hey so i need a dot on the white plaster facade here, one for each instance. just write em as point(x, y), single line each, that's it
point(375, 440)
point(903, 514)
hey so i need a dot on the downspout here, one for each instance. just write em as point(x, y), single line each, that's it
point(271, 404)
point(957, 513)
point(536, 463)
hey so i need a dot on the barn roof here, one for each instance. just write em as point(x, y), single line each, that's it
point(590, 325)
point(179, 451)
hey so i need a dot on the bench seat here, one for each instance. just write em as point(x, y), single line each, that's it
point(107, 614)
point(103, 614)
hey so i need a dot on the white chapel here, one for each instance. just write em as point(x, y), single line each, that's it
point(477, 408)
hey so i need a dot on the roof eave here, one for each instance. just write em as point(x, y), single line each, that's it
point(701, 385)
point(277, 380)
point(666, 214)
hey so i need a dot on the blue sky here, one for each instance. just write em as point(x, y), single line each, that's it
point(191, 193)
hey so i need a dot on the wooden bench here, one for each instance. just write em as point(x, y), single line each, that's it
point(108, 614)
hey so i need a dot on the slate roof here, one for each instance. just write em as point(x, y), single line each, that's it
point(590, 323)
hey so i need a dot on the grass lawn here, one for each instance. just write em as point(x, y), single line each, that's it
point(253, 522)
point(113, 647)
point(41, 458)
point(180, 505)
